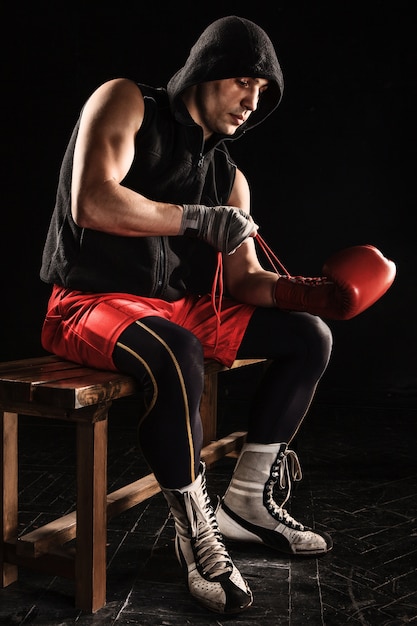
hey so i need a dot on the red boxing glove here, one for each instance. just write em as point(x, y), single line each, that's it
point(353, 279)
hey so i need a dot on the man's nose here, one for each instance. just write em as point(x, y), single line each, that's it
point(251, 99)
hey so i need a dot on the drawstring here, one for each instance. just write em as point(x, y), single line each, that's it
point(218, 287)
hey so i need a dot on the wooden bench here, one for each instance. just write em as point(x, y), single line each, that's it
point(56, 389)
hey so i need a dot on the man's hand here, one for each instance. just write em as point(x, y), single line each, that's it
point(223, 227)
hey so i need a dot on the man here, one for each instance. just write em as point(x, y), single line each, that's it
point(150, 210)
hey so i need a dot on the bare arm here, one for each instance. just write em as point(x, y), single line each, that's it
point(245, 278)
point(104, 152)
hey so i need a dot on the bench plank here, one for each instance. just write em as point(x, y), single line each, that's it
point(70, 386)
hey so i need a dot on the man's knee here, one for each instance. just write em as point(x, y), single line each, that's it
point(324, 334)
point(175, 345)
point(318, 337)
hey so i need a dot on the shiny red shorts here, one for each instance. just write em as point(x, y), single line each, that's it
point(84, 327)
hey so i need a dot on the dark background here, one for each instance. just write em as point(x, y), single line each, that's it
point(334, 166)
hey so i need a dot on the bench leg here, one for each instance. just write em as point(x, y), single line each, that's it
point(208, 408)
point(8, 492)
point(91, 537)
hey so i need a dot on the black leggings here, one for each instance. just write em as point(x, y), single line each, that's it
point(168, 362)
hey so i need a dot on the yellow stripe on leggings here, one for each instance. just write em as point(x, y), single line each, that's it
point(182, 383)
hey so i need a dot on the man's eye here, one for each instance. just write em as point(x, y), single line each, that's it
point(244, 83)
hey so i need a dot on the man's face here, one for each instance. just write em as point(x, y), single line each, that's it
point(221, 106)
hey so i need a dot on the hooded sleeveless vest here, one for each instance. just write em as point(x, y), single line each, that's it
point(171, 164)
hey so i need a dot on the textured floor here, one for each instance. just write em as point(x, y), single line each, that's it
point(360, 483)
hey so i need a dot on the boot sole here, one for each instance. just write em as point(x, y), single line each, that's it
point(201, 601)
point(235, 528)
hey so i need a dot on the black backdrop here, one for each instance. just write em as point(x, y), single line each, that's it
point(334, 166)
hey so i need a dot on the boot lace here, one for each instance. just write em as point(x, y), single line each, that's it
point(211, 556)
point(284, 470)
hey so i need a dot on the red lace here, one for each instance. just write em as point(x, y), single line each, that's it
point(217, 291)
point(271, 256)
point(275, 262)
point(218, 285)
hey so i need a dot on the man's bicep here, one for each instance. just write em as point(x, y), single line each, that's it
point(104, 149)
point(106, 140)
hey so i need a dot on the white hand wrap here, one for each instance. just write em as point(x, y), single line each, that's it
point(223, 227)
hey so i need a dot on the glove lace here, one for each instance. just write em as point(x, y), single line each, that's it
point(271, 256)
point(308, 281)
point(280, 269)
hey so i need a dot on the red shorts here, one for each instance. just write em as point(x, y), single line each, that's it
point(84, 327)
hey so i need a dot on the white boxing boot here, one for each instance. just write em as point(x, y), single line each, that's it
point(212, 577)
point(249, 512)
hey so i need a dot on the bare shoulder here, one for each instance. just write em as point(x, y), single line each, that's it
point(240, 195)
point(118, 87)
point(118, 99)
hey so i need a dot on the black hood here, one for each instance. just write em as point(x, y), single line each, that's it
point(232, 47)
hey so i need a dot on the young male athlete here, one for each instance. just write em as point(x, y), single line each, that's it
point(151, 213)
